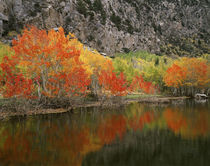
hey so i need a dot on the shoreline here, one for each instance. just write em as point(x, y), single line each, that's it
point(88, 104)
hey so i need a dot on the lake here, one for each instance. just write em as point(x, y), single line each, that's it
point(137, 134)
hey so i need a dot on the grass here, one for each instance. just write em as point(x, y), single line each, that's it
point(141, 95)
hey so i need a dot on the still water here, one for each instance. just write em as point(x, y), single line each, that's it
point(133, 135)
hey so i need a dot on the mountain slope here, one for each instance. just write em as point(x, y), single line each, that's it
point(172, 27)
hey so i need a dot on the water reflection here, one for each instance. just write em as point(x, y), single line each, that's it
point(134, 135)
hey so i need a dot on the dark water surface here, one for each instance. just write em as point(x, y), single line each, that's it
point(135, 135)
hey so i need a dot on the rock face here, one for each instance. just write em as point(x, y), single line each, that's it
point(160, 26)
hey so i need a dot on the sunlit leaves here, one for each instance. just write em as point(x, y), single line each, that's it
point(190, 72)
point(46, 64)
point(138, 83)
point(124, 66)
point(175, 76)
point(112, 83)
point(13, 83)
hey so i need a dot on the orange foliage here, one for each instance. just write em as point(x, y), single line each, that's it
point(49, 63)
point(13, 83)
point(175, 76)
point(188, 72)
point(139, 83)
point(49, 60)
point(110, 82)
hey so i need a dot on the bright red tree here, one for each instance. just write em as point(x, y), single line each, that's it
point(45, 63)
point(138, 83)
point(110, 82)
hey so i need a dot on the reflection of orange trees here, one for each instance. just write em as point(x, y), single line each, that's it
point(67, 144)
point(59, 146)
point(112, 127)
point(65, 147)
point(139, 122)
point(202, 124)
point(146, 118)
point(188, 126)
point(175, 120)
point(70, 146)
point(18, 148)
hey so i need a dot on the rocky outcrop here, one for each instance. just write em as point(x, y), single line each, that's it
point(3, 17)
point(161, 26)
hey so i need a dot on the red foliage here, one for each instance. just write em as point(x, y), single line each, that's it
point(190, 72)
point(44, 63)
point(175, 76)
point(139, 83)
point(109, 81)
point(13, 83)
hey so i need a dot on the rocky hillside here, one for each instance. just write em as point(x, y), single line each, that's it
point(172, 27)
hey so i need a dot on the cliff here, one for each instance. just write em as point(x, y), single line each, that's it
point(172, 27)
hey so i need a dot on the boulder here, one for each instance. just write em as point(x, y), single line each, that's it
point(201, 96)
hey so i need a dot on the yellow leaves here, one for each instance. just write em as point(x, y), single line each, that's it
point(71, 36)
point(92, 60)
point(207, 57)
point(5, 50)
point(24, 64)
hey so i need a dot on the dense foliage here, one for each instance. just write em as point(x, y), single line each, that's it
point(45, 64)
point(51, 64)
point(188, 74)
point(184, 76)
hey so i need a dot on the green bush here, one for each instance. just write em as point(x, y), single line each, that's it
point(5, 50)
point(152, 67)
point(125, 66)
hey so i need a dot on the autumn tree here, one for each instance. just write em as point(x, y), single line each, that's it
point(93, 63)
point(175, 76)
point(112, 84)
point(49, 61)
point(14, 83)
point(139, 84)
point(188, 74)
